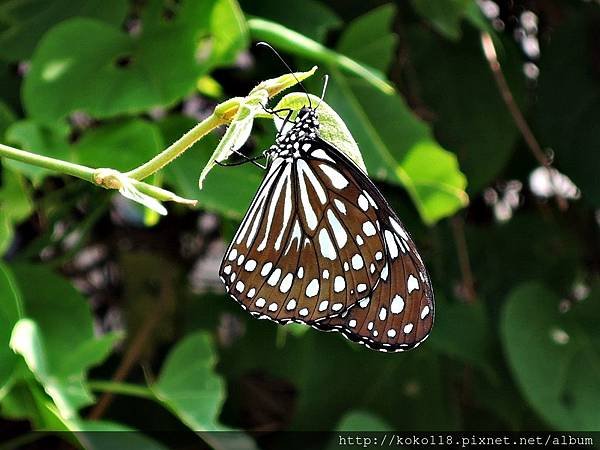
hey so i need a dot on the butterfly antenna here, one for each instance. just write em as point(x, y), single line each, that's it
point(325, 81)
point(265, 44)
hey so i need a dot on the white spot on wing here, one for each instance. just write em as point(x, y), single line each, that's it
point(274, 278)
point(340, 205)
point(266, 269)
point(313, 288)
point(291, 305)
point(320, 153)
point(397, 305)
point(391, 243)
point(337, 179)
point(339, 284)
point(368, 228)
point(412, 283)
point(337, 229)
point(357, 262)
point(327, 248)
point(363, 203)
point(286, 283)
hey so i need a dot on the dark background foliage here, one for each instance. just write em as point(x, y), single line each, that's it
point(122, 322)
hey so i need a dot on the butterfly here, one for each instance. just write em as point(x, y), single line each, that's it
point(320, 245)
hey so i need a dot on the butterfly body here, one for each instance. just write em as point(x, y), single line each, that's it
point(321, 246)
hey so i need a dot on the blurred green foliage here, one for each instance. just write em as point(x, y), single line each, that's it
point(98, 297)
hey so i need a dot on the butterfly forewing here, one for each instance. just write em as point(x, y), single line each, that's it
point(300, 252)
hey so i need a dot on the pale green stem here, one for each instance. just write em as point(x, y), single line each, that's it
point(84, 172)
point(216, 119)
point(56, 165)
point(134, 390)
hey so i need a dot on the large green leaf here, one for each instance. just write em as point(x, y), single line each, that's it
point(189, 386)
point(121, 145)
point(111, 73)
point(50, 140)
point(15, 204)
point(105, 435)
point(473, 344)
point(555, 356)
point(23, 22)
point(311, 18)
point(10, 313)
point(369, 38)
point(58, 351)
point(470, 117)
point(399, 148)
point(568, 109)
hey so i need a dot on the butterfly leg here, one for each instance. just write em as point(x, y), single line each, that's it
point(276, 112)
point(246, 160)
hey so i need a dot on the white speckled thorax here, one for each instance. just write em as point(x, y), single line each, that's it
point(289, 144)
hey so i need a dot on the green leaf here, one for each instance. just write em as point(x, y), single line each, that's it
point(399, 148)
point(27, 341)
point(470, 117)
point(121, 145)
point(106, 435)
point(88, 354)
point(23, 22)
point(369, 39)
point(229, 32)
point(7, 116)
point(48, 307)
point(568, 107)
point(189, 386)
point(362, 421)
point(57, 351)
point(554, 356)
point(15, 205)
point(68, 395)
point(111, 73)
point(10, 313)
point(444, 15)
point(15, 199)
point(310, 18)
point(331, 127)
point(46, 140)
point(473, 344)
point(290, 41)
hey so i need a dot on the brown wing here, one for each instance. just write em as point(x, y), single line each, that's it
point(307, 247)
